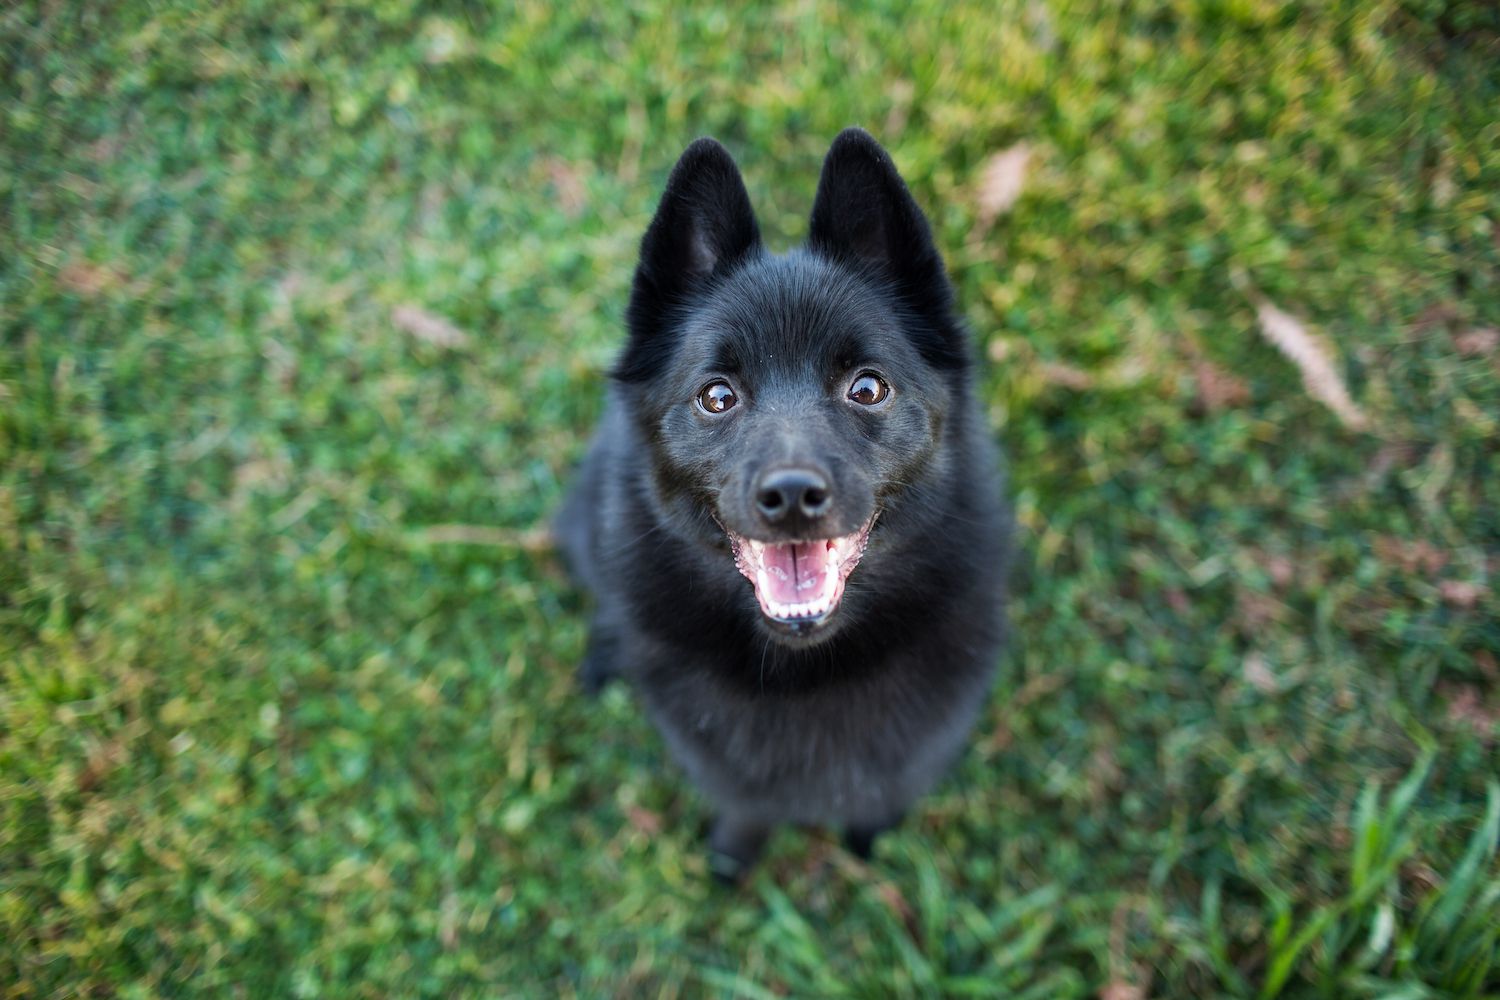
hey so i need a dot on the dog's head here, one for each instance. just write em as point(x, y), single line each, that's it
point(792, 403)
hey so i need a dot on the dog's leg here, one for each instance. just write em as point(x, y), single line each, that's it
point(859, 840)
point(601, 659)
point(734, 845)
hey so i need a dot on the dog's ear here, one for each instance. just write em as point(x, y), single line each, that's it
point(703, 227)
point(864, 216)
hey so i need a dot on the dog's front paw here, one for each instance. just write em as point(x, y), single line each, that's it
point(600, 662)
point(860, 840)
point(733, 848)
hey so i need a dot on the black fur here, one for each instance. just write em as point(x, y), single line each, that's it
point(847, 723)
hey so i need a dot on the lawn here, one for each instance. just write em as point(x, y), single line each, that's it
point(305, 311)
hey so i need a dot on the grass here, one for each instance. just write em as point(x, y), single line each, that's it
point(286, 704)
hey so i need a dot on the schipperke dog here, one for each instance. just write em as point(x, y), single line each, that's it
point(791, 516)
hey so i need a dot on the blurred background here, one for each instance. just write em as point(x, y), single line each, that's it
point(305, 311)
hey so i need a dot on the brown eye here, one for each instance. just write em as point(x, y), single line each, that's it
point(716, 397)
point(869, 389)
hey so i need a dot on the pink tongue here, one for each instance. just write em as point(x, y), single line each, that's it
point(795, 571)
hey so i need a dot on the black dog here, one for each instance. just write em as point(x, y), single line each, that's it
point(791, 515)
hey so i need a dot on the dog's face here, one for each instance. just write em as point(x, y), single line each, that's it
point(790, 402)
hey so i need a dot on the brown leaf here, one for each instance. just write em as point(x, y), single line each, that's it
point(1279, 568)
point(1001, 181)
point(89, 279)
point(1461, 593)
point(1479, 342)
point(1436, 315)
point(1467, 708)
point(535, 539)
point(1000, 349)
point(269, 475)
point(644, 820)
point(891, 895)
point(1217, 388)
point(428, 327)
point(1410, 555)
point(1256, 611)
point(1056, 373)
point(567, 184)
point(1258, 675)
point(1120, 990)
point(1314, 359)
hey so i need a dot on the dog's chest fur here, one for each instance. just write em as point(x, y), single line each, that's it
point(854, 751)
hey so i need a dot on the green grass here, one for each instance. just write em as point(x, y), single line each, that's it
point(270, 726)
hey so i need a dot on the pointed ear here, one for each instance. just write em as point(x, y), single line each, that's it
point(864, 216)
point(703, 227)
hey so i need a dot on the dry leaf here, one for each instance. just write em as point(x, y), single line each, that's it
point(1278, 567)
point(1217, 388)
point(1001, 349)
point(644, 820)
point(260, 475)
point(567, 184)
point(1056, 373)
point(1001, 181)
point(897, 904)
point(1313, 359)
point(428, 327)
point(1436, 315)
point(1467, 707)
point(1479, 342)
point(1410, 556)
point(1119, 990)
point(899, 94)
point(89, 279)
point(1258, 674)
point(537, 539)
point(1461, 593)
point(1256, 611)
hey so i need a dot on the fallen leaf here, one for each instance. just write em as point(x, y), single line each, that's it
point(89, 279)
point(428, 327)
point(536, 539)
point(1056, 373)
point(567, 184)
point(1479, 342)
point(1410, 556)
point(1279, 568)
point(1467, 708)
point(1258, 675)
point(260, 475)
point(898, 95)
point(1436, 315)
point(1461, 593)
point(1256, 611)
point(1001, 349)
point(644, 820)
point(1314, 359)
point(1001, 181)
point(897, 904)
point(1217, 388)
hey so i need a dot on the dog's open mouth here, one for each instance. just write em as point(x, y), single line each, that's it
point(799, 583)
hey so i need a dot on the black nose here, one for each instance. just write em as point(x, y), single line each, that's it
point(786, 496)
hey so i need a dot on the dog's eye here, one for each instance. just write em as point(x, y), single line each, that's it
point(869, 389)
point(717, 396)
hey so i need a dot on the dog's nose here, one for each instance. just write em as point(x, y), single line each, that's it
point(786, 496)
